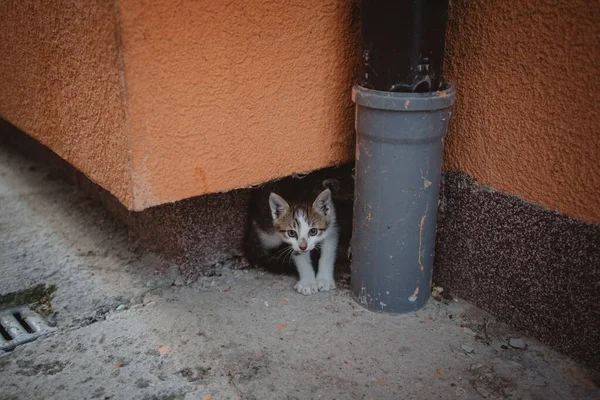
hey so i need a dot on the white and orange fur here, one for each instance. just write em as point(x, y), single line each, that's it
point(297, 229)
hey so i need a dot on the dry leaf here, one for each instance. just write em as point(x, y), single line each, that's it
point(164, 349)
point(281, 326)
point(440, 372)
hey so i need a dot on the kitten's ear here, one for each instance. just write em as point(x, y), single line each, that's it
point(323, 204)
point(278, 206)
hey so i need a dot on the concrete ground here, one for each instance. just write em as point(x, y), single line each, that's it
point(127, 330)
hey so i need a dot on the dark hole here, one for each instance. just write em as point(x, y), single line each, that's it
point(4, 334)
point(23, 323)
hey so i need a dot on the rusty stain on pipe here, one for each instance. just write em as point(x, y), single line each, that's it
point(413, 298)
point(421, 235)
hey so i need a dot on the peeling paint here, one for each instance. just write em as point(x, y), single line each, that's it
point(413, 298)
point(369, 210)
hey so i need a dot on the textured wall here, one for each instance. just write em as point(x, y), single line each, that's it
point(526, 119)
point(534, 269)
point(207, 96)
point(60, 82)
point(211, 96)
point(227, 94)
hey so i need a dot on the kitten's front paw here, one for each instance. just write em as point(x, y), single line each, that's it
point(306, 287)
point(325, 284)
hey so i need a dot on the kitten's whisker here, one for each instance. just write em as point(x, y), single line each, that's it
point(289, 254)
point(281, 254)
point(318, 247)
point(284, 253)
point(281, 251)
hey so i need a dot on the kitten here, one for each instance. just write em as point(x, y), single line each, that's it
point(288, 222)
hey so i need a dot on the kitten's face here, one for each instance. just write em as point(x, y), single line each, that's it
point(302, 228)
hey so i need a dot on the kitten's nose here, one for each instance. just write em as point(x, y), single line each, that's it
point(303, 245)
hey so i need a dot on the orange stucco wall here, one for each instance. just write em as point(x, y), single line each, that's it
point(159, 101)
point(61, 82)
point(227, 94)
point(527, 114)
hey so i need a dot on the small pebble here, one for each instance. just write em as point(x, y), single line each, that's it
point(179, 282)
point(517, 343)
point(469, 332)
point(475, 367)
point(455, 349)
point(467, 348)
point(121, 307)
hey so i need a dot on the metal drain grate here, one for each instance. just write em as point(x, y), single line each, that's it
point(20, 325)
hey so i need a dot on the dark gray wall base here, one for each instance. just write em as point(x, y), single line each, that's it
point(531, 267)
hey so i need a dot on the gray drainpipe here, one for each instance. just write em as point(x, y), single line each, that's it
point(403, 106)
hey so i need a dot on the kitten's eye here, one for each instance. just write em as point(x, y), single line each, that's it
point(292, 234)
point(313, 231)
